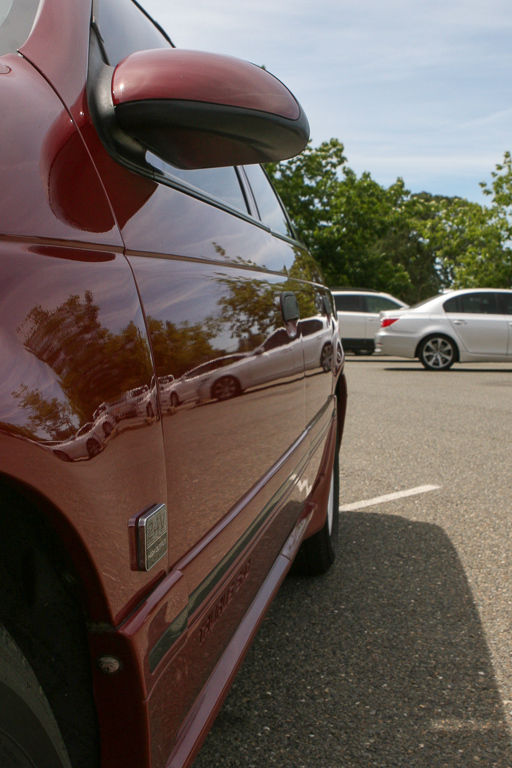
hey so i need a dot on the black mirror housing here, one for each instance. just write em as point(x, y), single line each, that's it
point(202, 110)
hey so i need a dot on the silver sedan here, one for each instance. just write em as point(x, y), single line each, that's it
point(468, 325)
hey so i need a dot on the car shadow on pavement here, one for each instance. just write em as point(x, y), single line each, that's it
point(382, 662)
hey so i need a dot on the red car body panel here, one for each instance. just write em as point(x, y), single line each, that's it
point(180, 76)
point(99, 281)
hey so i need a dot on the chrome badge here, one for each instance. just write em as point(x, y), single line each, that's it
point(152, 536)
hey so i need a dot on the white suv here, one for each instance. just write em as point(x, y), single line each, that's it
point(359, 315)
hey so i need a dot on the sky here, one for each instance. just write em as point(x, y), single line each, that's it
point(414, 89)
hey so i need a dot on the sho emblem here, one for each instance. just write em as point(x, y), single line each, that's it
point(152, 536)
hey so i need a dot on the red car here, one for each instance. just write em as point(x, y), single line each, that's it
point(139, 239)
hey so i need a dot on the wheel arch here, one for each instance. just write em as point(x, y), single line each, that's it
point(43, 606)
point(443, 335)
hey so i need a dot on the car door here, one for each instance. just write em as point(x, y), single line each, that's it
point(478, 322)
point(211, 278)
point(317, 325)
point(505, 304)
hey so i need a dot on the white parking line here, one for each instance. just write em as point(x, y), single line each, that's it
point(389, 497)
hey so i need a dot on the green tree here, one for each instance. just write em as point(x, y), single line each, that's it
point(359, 232)
point(412, 245)
point(469, 242)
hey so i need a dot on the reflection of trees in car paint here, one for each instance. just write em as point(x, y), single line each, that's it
point(248, 313)
point(91, 363)
point(249, 309)
point(304, 267)
point(249, 316)
point(178, 348)
point(50, 415)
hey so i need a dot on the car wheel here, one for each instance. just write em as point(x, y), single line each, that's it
point(225, 387)
point(107, 428)
point(175, 401)
point(437, 353)
point(318, 553)
point(62, 455)
point(360, 352)
point(93, 447)
point(326, 358)
point(29, 735)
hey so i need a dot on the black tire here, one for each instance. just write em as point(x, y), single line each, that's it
point(437, 353)
point(361, 352)
point(318, 553)
point(175, 401)
point(62, 455)
point(29, 735)
point(326, 358)
point(225, 388)
point(93, 447)
point(107, 428)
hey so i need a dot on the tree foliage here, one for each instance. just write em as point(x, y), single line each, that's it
point(411, 245)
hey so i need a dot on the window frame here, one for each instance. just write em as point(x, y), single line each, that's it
point(458, 302)
point(292, 235)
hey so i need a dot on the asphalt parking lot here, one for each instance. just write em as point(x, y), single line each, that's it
point(402, 654)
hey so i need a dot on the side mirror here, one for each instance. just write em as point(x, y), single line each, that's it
point(198, 110)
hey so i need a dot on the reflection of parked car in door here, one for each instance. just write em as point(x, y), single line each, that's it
point(188, 388)
point(272, 362)
point(88, 441)
point(140, 239)
point(230, 375)
point(466, 325)
point(317, 337)
point(359, 316)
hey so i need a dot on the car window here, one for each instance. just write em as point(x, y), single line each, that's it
point(220, 183)
point(125, 29)
point(505, 302)
point(349, 302)
point(311, 326)
point(16, 20)
point(277, 339)
point(381, 304)
point(269, 208)
point(473, 303)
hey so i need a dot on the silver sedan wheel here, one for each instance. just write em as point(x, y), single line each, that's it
point(225, 388)
point(437, 353)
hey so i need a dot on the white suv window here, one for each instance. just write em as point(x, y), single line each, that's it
point(349, 302)
point(381, 304)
